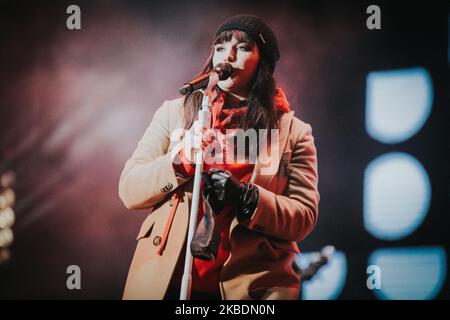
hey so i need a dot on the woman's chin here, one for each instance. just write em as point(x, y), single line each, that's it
point(225, 84)
point(228, 86)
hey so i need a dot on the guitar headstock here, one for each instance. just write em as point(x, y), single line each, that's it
point(318, 260)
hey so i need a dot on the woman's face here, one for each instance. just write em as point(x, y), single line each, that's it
point(244, 60)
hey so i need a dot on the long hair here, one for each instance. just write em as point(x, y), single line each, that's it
point(261, 112)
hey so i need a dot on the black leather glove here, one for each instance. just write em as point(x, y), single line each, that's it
point(221, 189)
point(209, 193)
point(227, 190)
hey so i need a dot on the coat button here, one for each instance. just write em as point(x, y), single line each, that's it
point(166, 188)
point(157, 240)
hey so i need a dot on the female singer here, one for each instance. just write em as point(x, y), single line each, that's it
point(260, 209)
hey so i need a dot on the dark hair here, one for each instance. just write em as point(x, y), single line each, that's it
point(261, 111)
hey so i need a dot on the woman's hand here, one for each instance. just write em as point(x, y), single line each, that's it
point(221, 189)
point(196, 138)
point(224, 189)
point(227, 188)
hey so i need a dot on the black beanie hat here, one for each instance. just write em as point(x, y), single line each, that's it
point(256, 28)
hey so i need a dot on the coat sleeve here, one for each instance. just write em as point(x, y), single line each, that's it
point(292, 215)
point(149, 176)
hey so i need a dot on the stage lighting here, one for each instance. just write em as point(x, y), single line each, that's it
point(398, 103)
point(6, 237)
point(414, 273)
point(396, 196)
point(7, 198)
point(7, 218)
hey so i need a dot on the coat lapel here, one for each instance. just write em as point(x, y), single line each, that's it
point(268, 161)
point(263, 171)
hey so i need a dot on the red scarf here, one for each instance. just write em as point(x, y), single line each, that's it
point(225, 118)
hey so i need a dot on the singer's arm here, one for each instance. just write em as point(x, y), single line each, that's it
point(149, 176)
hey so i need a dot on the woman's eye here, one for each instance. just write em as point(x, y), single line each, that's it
point(244, 48)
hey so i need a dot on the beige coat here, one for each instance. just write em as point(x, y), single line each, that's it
point(262, 250)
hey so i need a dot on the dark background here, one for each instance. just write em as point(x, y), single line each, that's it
point(73, 105)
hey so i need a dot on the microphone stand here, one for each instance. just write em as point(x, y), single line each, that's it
point(204, 117)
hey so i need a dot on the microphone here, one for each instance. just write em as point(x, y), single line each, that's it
point(223, 70)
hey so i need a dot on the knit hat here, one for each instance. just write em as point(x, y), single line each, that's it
point(256, 28)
